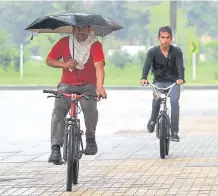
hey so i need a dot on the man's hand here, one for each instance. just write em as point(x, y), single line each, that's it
point(179, 81)
point(71, 63)
point(143, 82)
point(101, 92)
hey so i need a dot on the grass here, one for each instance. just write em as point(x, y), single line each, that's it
point(41, 74)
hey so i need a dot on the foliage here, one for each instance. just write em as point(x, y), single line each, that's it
point(120, 58)
point(8, 54)
point(141, 20)
point(189, 33)
point(42, 44)
point(211, 49)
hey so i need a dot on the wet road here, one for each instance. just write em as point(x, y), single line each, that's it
point(128, 160)
point(25, 115)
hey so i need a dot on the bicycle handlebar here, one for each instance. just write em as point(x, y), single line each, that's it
point(166, 88)
point(50, 91)
point(72, 96)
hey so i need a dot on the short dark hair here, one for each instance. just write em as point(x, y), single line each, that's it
point(165, 29)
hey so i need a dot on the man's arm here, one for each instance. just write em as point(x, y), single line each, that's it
point(54, 55)
point(99, 66)
point(147, 64)
point(58, 64)
point(180, 65)
point(99, 63)
point(54, 63)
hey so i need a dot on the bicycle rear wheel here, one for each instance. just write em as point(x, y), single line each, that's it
point(70, 158)
point(162, 128)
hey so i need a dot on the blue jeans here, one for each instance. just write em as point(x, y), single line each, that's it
point(174, 102)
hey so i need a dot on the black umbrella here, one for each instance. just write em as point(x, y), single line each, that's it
point(64, 23)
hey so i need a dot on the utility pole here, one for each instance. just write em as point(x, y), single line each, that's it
point(21, 61)
point(173, 18)
point(182, 44)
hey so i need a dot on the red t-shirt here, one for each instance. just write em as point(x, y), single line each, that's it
point(77, 77)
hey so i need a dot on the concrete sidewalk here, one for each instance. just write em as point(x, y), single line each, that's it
point(128, 163)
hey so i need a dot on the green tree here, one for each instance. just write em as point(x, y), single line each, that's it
point(190, 36)
point(159, 16)
point(202, 15)
point(42, 44)
point(8, 53)
point(211, 49)
point(16, 16)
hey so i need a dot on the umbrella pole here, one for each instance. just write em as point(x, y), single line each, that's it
point(73, 41)
point(102, 39)
point(73, 49)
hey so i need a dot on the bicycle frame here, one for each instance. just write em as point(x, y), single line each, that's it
point(163, 96)
point(73, 121)
point(163, 103)
point(163, 121)
point(73, 105)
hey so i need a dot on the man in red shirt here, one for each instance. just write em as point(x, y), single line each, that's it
point(83, 74)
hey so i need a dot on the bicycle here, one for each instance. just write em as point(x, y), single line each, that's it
point(73, 144)
point(163, 120)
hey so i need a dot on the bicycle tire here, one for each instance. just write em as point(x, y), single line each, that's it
point(167, 138)
point(162, 137)
point(70, 158)
point(76, 160)
point(65, 146)
point(75, 171)
point(167, 142)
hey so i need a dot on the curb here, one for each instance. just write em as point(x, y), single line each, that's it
point(39, 87)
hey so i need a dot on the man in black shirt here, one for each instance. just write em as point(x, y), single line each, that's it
point(166, 63)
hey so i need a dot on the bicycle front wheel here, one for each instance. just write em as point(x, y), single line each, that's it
point(167, 138)
point(162, 127)
point(70, 157)
point(77, 157)
point(75, 171)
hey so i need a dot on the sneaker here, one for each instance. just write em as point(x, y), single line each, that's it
point(150, 126)
point(91, 147)
point(55, 156)
point(175, 137)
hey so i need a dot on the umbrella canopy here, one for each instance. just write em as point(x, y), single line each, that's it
point(65, 23)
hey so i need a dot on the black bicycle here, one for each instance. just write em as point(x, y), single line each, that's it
point(163, 122)
point(73, 144)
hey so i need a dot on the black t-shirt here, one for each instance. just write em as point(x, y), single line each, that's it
point(170, 68)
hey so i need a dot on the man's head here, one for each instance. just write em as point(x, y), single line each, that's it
point(82, 32)
point(165, 36)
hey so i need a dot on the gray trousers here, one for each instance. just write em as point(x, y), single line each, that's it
point(62, 107)
point(174, 102)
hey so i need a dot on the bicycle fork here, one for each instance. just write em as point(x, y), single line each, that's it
point(162, 114)
point(76, 123)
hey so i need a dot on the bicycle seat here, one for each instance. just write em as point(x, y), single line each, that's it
point(165, 91)
point(162, 93)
